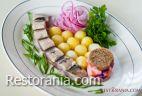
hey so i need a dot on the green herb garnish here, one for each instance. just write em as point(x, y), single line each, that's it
point(98, 91)
point(97, 28)
point(43, 65)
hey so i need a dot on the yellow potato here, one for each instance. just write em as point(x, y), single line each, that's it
point(86, 41)
point(54, 31)
point(57, 39)
point(82, 62)
point(87, 54)
point(81, 50)
point(64, 47)
point(72, 54)
point(73, 42)
point(66, 35)
point(94, 46)
point(80, 35)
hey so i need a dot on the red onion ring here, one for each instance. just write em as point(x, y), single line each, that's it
point(72, 18)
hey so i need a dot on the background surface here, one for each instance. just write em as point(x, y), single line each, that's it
point(129, 12)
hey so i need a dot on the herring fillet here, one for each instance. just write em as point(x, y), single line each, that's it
point(45, 43)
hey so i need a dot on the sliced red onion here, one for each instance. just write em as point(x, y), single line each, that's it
point(72, 18)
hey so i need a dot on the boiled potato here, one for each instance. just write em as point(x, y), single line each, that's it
point(57, 39)
point(86, 41)
point(73, 42)
point(80, 35)
point(81, 50)
point(82, 62)
point(55, 31)
point(64, 47)
point(66, 35)
point(72, 54)
point(94, 46)
point(87, 54)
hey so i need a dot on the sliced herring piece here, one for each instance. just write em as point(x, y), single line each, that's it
point(46, 43)
point(54, 54)
point(76, 73)
point(38, 25)
point(64, 64)
point(39, 34)
point(36, 44)
point(76, 70)
point(40, 17)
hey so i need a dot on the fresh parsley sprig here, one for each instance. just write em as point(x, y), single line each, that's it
point(97, 28)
